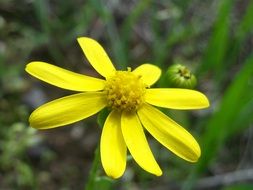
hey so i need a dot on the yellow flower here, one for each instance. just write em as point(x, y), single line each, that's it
point(130, 98)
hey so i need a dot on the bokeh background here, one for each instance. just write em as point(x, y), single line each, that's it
point(213, 38)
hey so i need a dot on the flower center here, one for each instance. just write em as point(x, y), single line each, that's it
point(184, 72)
point(125, 91)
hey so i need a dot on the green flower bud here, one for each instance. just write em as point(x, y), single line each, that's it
point(179, 76)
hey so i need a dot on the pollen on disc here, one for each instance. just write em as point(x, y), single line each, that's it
point(125, 91)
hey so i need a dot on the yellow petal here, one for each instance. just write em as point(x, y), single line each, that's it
point(137, 143)
point(149, 73)
point(112, 146)
point(176, 98)
point(97, 56)
point(63, 78)
point(67, 110)
point(169, 133)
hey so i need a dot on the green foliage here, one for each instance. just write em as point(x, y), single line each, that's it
point(14, 144)
point(102, 117)
point(104, 183)
point(214, 57)
point(224, 123)
point(239, 187)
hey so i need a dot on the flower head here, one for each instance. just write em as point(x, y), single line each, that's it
point(180, 76)
point(129, 97)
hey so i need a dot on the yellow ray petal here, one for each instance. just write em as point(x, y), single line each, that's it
point(63, 78)
point(97, 56)
point(112, 146)
point(149, 73)
point(169, 133)
point(67, 110)
point(137, 143)
point(176, 98)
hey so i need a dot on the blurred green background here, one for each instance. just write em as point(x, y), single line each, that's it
point(213, 38)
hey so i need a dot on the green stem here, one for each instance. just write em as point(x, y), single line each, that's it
point(93, 172)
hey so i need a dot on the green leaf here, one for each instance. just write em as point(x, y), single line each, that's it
point(218, 43)
point(242, 32)
point(246, 26)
